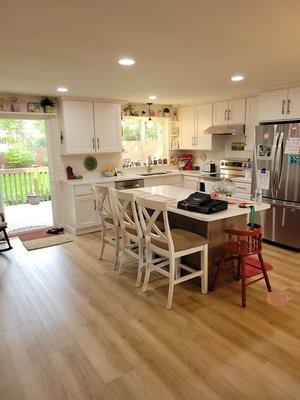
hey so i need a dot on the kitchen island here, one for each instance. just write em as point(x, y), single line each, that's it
point(211, 226)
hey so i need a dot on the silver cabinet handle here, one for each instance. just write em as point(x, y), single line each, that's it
point(228, 114)
point(93, 141)
point(192, 140)
point(98, 143)
point(95, 208)
point(195, 141)
point(289, 106)
point(225, 115)
point(283, 107)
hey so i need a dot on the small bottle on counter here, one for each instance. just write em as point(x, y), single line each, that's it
point(258, 196)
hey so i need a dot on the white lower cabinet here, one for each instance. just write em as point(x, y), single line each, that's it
point(86, 212)
point(163, 180)
point(190, 182)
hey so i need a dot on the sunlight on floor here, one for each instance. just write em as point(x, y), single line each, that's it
point(27, 216)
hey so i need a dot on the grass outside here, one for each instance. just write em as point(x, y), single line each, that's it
point(15, 186)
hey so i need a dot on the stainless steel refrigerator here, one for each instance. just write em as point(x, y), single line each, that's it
point(278, 174)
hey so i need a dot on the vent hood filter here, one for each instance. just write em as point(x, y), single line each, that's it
point(238, 129)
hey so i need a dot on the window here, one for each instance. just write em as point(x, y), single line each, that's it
point(143, 138)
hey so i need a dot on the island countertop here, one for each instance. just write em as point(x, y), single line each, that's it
point(173, 194)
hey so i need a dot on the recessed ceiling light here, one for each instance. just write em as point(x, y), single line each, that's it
point(62, 89)
point(152, 97)
point(237, 78)
point(126, 61)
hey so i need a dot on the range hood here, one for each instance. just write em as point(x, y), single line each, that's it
point(237, 129)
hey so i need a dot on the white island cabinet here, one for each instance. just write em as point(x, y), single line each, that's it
point(89, 127)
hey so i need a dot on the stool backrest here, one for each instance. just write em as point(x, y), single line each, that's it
point(151, 229)
point(103, 202)
point(253, 239)
point(126, 211)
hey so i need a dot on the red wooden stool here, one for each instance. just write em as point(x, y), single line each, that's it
point(243, 244)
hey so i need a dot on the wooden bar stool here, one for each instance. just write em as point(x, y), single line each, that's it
point(242, 244)
point(108, 219)
point(132, 236)
point(170, 245)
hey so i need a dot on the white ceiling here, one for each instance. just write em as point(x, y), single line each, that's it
point(185, 50)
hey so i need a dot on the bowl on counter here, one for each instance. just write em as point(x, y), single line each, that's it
point(109, 174)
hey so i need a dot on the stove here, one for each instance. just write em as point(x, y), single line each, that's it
point(235, 168)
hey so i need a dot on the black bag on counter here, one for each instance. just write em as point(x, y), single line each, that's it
point(202, 203)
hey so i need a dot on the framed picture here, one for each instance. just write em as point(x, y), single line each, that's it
point(33, 107)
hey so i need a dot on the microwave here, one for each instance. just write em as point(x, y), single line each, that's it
point(206, 186)
point(208, 167)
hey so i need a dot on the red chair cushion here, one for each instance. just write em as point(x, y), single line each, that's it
point(251, 263)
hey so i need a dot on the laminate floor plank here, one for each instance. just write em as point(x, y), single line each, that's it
point(71, 328)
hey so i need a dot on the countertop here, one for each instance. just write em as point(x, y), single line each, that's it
point(125, 177)
point(174, 193)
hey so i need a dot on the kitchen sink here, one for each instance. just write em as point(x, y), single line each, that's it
point(153, 173)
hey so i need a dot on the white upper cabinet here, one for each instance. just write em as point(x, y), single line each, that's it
point(90, 127)
point(187, 127)
point(273, 105)
point(229, 112)
point(78, 127)
point(251, 121)
point(293, 103)
point(203, 141)
point(236, 111)
point(107, 127)
point(220, 111)
point(193, 121)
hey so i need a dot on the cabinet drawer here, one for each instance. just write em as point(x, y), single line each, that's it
point(83, 190)
point(243, 187)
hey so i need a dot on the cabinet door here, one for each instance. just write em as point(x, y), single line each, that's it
point(85, 210)
point(236, 111)
point(251, 121)
point(187, 127)
point(203, 141)
point(78, 123)
point(107, 127)
point(293, 107)
point(173, 180)
point(273, 105)
point(220, 110)
point(157, 181)
point(189, 182)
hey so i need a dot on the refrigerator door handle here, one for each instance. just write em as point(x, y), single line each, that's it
point(279, 161)
point(273, 166)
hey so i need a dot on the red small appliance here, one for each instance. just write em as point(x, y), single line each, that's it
point(185, 162)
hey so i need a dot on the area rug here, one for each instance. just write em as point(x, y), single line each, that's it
point(38, 239)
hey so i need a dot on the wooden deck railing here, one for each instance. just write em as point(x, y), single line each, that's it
point(16, 183)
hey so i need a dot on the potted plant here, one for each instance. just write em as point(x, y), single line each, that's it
point(47, 104)
point(14, 104)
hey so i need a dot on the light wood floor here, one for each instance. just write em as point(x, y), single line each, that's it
point(71, 328)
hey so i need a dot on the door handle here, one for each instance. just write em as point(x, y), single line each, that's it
point(192, 140)
point(228, 114)
point(273, 166)
point(93, 141)
point(278, 162)
point(95, 208)
point(289, 106)
point(283, 107)
point(225, 115)
point(195, 141)
point(98, 143)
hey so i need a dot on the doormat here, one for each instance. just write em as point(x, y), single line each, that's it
point(39, 239)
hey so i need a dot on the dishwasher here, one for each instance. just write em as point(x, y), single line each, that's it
point(129, 184)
